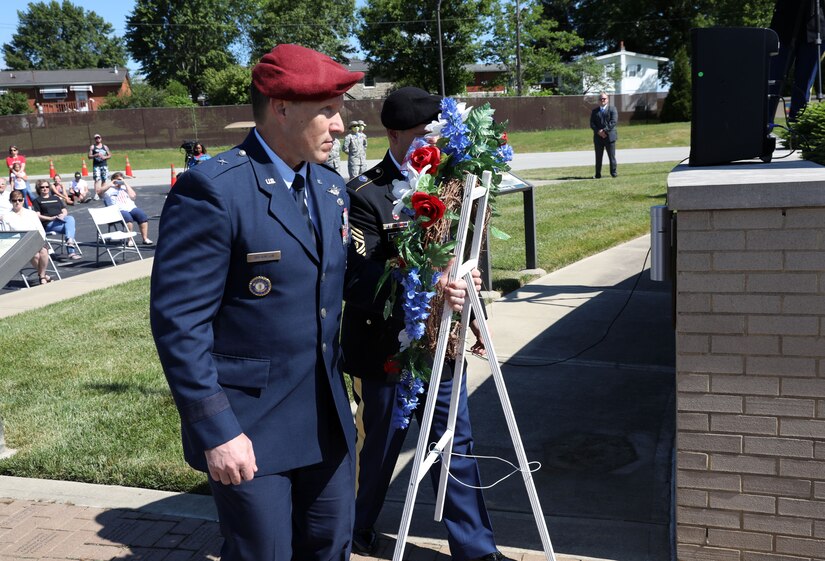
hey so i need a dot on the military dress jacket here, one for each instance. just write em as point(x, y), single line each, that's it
point(246, 307)
point(366, 337)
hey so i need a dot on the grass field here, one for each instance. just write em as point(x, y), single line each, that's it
point(89, 401)
point(636, 136)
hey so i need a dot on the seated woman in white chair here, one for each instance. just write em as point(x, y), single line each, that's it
point(121, 195)
point(23, 220)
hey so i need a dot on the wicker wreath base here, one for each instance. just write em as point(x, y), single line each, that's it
point(452, 195)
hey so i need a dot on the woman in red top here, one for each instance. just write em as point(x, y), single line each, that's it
point(15, 156)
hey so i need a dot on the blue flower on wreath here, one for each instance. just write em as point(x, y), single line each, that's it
point(406, 399)
point(415, 303)
point(454, 130)
point(504, 154)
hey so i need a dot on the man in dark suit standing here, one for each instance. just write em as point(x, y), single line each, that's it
point(368, 340)
point(603, 121)
point(246, 299)
point(795, 22)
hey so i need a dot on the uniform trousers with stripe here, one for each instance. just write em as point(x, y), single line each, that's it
point(469, 530)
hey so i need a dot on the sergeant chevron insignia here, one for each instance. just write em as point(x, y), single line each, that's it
point(358, 240)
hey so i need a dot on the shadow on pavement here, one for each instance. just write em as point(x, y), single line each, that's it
point(601, 424)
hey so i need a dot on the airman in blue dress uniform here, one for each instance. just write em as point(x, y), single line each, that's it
point(246, 296)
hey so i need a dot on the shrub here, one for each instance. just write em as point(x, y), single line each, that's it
point(810, 128)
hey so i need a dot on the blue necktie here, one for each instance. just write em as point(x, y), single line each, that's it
point(299, 195)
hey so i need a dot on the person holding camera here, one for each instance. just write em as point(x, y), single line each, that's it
point(121, 195)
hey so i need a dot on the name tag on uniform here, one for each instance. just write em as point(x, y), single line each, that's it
point(263, 256)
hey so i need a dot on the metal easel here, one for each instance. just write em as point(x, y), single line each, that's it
point(426, 455)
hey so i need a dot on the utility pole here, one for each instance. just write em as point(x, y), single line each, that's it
point(518, 47)
point(440, 50)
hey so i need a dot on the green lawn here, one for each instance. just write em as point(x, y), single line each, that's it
point(635, 136)
point(89, 401)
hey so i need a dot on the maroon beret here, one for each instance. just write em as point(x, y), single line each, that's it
point(295, 73)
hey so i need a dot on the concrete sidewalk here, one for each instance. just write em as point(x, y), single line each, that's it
point(587, 353)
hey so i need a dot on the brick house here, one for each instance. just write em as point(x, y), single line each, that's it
point(485, 78)
point(59, 91)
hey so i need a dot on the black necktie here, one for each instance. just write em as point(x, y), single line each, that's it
point(300, 200)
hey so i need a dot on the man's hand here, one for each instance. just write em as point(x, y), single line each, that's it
point(232, 462)
point(456, 291)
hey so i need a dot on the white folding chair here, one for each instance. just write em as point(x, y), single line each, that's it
point(120, 237)
point(29, 271)
point(59, 240)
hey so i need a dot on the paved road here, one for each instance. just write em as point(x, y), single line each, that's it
point(152, 186)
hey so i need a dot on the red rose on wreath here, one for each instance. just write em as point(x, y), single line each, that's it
point(503, 140)
point(426, 155)
point(428, 206)
point(392, 367)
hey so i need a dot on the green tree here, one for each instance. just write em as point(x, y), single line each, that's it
point(400, 39)
point(228, 86)
point(677, 104)
point(53, 36)
point(323, 26)
point(14, 103)
point(179, 40)
point(143, 94)
point(543, 46)
point(656, 27)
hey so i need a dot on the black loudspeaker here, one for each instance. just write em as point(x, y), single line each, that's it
point(729, 70)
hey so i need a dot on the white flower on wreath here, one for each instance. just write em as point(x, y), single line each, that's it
point(402, 189)
point(435, 127)
point(404, 339)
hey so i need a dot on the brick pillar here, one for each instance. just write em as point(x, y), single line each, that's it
point(750, 343)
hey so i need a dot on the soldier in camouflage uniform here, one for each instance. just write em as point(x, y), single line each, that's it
point(334, 158)
point(355, 146)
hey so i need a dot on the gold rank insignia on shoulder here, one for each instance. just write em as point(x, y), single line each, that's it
point(358, 240)
point(260, 286)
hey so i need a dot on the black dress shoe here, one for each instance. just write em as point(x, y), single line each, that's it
point(365, 542)
point(597, 177)
point(494, 556)
point(614, 175)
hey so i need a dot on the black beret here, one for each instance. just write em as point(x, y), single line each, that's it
point(409, 107)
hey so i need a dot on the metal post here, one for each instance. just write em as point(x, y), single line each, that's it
point(440, 49)
point(530, 252)
point(518, 48)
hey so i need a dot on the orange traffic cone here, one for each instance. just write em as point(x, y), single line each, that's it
point(172, 181)
point(128, 167)
point(52, 173)
point(84, 171)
